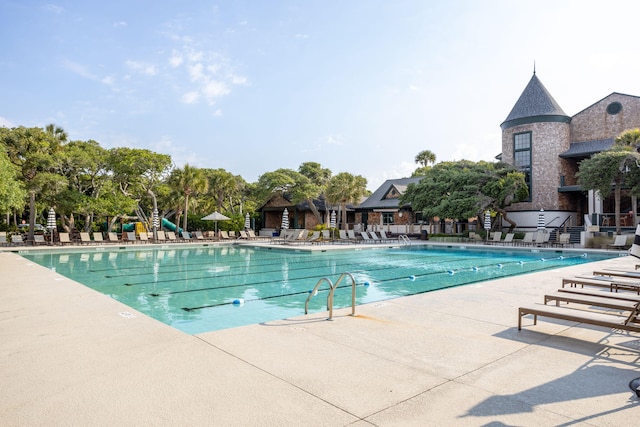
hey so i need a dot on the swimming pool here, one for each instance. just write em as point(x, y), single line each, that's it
point(205, 288)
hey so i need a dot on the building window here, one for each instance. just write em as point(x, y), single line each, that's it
point(387, 218)
point(614, 108)
point(522, 156)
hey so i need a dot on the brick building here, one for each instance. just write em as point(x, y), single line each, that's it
point(547, 145)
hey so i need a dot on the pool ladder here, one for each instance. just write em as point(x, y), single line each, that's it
point(332, 288)
point(403, 239)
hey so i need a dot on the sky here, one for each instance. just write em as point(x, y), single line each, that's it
point(359, 86)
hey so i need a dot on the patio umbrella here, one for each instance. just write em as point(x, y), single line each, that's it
point(155, 220)
point(51, 219)
point(333, 220)
point(247, 221)
point(541, 220)
point(487, 220)
point(215, 216)
point(285, 219)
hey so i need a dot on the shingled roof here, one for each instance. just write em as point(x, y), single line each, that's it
point(535, 105)
point(387, 195)
point(587, 148)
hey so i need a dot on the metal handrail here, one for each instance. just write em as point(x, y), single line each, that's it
point(403, 238)
point(332, 288)
point(353, 290)
point(329, 297)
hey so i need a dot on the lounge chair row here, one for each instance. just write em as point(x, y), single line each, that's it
point(613, 309)
point(325, 236)
point(530, 239)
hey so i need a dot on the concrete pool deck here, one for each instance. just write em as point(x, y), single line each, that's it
point(72, 356)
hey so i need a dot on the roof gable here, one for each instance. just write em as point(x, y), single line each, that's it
point(388, 194)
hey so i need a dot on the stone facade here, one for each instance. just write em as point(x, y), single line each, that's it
point(594, 122)
point(558, 144)
point(548, 141)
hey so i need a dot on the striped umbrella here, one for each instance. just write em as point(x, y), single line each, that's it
point(487, 220)
point(247, 221)
point(51, 219)
point(635, 248)
point(332, 223)
point(541, 225)
point(155, 220)
point(285, 219)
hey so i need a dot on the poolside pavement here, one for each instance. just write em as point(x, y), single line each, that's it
point(72, 356)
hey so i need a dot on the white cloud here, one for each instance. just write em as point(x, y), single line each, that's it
point(195, 72)
point(215, 89)
point(190, 97)
point(176, 60)
point(83, 71)
point(217, 113)
point(120, 24)
point(142, 67)
point(54, 8)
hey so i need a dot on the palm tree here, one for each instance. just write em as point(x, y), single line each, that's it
point(425, 157)
point(189, 182)
point(343, 189)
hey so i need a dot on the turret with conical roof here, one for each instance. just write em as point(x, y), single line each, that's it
point(534, 134)
point(535, 105)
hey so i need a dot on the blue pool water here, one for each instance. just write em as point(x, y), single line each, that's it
point(194, 288)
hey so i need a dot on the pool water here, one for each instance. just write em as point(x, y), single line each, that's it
point(207, 288)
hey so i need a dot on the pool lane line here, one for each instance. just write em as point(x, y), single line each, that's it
point(341, 266)
point(402, 278)
point(427, 274)
point(260, 299)
point(295, 267)
point(209, 265)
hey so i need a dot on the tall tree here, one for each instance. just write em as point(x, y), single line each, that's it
point(190, 182)
point(465, 189)
point(12, 193)
point(31, 151)
point(425, 158)
point(610, 169)
point(343, 189)
point(138, 172)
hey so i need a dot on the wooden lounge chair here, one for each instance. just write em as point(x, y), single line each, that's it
point(3, 238)
point(129, 236)
point(366, 238)
point(496, 237)
point(243, 235)
point(97, 237)
point(85, 238)
point(383, 236)
point(252, 235)
point(38, 239)
point(594, 301)
point(161, 236)
point(618, 273)
point(224, 235)
point(580, 316)
point(353, 237)
point(186, 236)
point(602, 282)
point(144, 237)
point(344, 238)
point(64, 238)
point(620, 242)
point(112, 237)
point(16, 239)
point(528, 239)
point(171, 236)
point(597, 293)
point(508, 239)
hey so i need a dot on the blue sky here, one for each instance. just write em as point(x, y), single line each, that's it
point(358, 86)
